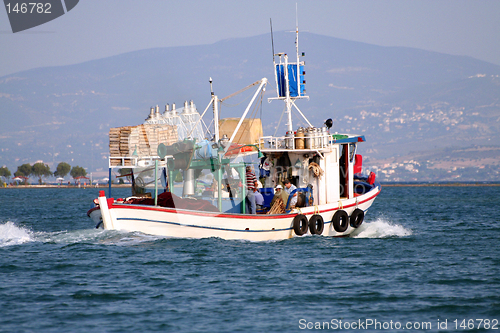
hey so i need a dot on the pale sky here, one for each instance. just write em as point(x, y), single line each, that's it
point(100, 28)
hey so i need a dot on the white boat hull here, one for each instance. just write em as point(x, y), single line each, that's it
point(181, 223)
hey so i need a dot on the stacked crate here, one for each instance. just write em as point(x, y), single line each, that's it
point(124, 135)
point(168, 135)
point(139, 141)
point(114, 142)
point(142, 139)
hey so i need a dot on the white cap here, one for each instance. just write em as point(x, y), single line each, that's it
point(279, 186)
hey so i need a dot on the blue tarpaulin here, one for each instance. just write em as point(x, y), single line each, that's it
point(294, 81)
point(280, 73)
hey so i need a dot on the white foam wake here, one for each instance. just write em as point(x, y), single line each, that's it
point(380, 228)
point(11, 234)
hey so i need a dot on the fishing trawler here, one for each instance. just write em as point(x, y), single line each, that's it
point(191, 180)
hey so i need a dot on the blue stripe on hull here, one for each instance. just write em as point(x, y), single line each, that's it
point(199, 226)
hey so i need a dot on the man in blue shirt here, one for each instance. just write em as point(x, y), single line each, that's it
point(289, 187)
point(259, 199)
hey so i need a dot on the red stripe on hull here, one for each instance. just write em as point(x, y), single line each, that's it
point(226, 215)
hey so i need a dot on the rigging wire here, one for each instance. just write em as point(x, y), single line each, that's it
point(237, 104)
point(279, 122)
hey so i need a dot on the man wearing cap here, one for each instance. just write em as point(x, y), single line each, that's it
point(289, 187)
point(279, 194)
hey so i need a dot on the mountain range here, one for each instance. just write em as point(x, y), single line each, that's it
point(405, 101)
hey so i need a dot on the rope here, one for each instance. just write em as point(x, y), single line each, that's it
point(234, 105)
point(277, 208)
point(316, 169)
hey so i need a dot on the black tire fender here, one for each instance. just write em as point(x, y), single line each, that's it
point(356, 218)
point(300, 224)
point(316, 224)
point(340, 221)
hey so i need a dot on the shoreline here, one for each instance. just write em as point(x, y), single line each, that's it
point(440, 185)
point(383, 185)
point(66, 186)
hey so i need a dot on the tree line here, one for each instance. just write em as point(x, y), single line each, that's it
point(41, 170)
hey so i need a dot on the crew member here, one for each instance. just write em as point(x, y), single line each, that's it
point(279, 194)
point(289, 187)
point(259, 199)
point(250, 198)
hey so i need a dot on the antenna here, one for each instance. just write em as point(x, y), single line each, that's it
point(297, 15)
point(272, 39)
point(297, 33)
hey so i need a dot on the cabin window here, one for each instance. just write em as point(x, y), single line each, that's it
point(343, 171)
point(352, 151)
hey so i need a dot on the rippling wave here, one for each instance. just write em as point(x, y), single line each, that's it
point(422, 255)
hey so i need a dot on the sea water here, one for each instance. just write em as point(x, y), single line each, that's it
point(425, 259)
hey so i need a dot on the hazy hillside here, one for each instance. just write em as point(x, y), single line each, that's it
point(401, 98)
point(473, 163)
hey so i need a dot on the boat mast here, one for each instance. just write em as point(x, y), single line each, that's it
point(290, 84)
point(297, 38)
point(288, 100)
point(216, 113)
